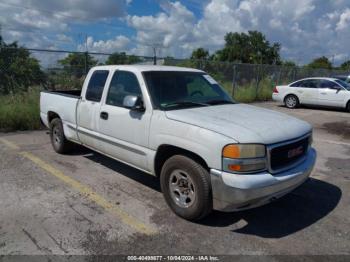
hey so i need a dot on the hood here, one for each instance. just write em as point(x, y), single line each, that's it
point(243, 123)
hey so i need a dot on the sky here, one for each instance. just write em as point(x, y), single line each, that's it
point(306, 29)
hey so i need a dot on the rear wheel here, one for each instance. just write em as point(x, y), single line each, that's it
point(348, 107)
point(186, 187)
point(291, 101)
point(58, 140)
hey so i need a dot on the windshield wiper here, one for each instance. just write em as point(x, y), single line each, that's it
point(186, 103)
point(219, 101)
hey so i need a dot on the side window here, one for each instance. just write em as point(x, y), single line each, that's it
point(297, 84)
point(312, 83)
point(96, 84)
point(328, 84)
point(123, 84)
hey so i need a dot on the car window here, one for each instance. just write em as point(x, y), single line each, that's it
point(327, 84)
point(96, 84)
point(297, 84)
point(122, 84)
point(343, 84)
point(174, 90)
point(311, 83)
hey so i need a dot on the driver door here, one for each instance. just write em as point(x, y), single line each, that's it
point(124, 132)
point(331, 94)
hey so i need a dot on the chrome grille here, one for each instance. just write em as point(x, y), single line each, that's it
point(283, 156)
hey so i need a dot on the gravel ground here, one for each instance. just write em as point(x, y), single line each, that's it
point(85, 203)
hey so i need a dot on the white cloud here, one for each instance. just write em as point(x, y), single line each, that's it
point(305, 28)
point(344, 20)
point(37, 22)
point(171, 29)
point(118, 44)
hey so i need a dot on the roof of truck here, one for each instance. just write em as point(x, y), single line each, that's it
point(143, 68)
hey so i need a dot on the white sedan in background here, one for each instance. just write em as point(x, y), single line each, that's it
point(322, 91)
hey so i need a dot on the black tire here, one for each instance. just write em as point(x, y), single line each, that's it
point(291, 101)
point(348, 106)
point(197, 178)
point(58, 140)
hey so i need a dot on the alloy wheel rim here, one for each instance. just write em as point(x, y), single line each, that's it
point(291, 101)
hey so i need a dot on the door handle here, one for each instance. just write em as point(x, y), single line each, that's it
point(104, 115)
point(323, 93)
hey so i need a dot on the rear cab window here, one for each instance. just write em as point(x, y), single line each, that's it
point(96, 85)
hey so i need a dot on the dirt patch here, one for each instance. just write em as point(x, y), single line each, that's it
point(338, 128)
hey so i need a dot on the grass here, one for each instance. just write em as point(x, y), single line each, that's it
point(249, 93)
point(20, 111)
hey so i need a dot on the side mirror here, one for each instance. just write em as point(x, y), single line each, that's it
point(133, 103)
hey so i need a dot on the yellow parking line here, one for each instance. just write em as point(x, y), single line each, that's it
point(88, 192)
point(99, 200)
point(9, 144)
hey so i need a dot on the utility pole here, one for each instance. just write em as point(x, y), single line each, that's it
point(86, 54)
point(154, 55)
point(154, 47)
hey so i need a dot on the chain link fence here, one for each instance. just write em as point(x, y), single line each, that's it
point(245, 82)
point(252, 82)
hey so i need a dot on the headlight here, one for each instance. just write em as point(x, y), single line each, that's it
point(244, 158)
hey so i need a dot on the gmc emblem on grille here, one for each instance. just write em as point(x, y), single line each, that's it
point(295, 152)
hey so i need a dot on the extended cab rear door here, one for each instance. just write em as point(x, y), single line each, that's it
point(307, 91)
point(89, 108)
point(124, 132)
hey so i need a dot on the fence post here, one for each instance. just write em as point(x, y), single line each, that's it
point(86, 62)
point(234, 81)
point(257, 81)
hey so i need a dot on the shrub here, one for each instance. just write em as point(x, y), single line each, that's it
point(20, 111)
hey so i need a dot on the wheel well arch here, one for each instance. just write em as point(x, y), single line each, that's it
point(290, 94)
point(51, 116)
point(164, 152)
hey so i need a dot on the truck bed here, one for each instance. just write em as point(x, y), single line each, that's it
point(61, 103)
point(71, 93)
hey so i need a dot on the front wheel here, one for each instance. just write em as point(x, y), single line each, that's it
point(186, 187)
point(291, 101)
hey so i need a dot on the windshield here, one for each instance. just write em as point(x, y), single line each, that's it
point(343, 84)
point(175, 90)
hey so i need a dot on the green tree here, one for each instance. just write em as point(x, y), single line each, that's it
point(289, 63)
point(200, 54)
point(18, 70)
point(77, 64)
point(249, 48)
point(320, 62)
point(122, 59)
point(345, 65)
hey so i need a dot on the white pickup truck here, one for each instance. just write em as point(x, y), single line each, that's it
point(179, 125)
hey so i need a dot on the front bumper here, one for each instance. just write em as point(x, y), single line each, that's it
point(233, 192)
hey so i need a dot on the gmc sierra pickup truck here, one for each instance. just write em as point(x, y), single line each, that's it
point(178, 124)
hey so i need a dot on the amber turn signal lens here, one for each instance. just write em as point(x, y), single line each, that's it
point(234, 167)
point(231, 151)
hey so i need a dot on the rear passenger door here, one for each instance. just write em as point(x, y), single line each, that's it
point(89, 108)
point(124, 132)
point(308, 91)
